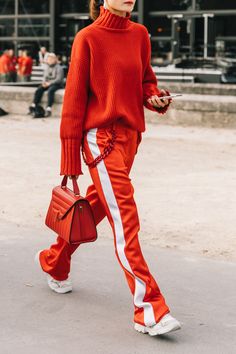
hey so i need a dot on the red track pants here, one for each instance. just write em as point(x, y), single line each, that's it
point(111, 195)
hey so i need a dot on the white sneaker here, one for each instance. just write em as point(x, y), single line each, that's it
point(59, 286)
point(165, 325)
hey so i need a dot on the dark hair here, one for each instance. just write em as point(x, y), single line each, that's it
point(94, 8)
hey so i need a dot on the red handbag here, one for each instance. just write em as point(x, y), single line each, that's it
point(70, 215)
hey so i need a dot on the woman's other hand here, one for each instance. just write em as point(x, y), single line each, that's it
point(157, 102)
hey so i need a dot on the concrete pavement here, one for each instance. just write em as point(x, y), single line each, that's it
point(97, 317)
point(185, 189)
point(184, 180)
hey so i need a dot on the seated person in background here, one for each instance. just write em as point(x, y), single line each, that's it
point(25, 64)
point(52, 81)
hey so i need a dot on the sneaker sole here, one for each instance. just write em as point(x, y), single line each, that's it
point(167, 329)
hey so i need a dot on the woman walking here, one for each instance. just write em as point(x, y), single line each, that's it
point(109, 81)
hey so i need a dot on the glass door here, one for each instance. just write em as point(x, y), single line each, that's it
point(191, 36)
point(182, 42)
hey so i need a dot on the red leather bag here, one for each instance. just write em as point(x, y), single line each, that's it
point(70, 215)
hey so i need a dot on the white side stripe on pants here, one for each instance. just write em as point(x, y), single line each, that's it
point(140, 286)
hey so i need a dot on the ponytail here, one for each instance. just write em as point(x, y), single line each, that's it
point(94, 8)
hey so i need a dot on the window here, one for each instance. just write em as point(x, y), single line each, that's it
point(32, 47)
point(7, 28)
point(33, 27)
point(5, 45)
point(73, 6)
point(160, 26)
point(170, 5)
point(215, 4)
point(161, 52)
point(224, 26)
point(33, 7)
point(224, 33)
point(7, 7)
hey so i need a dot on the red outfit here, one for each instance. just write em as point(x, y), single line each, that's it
point(110, 77)
point(25, 65)
point(20, 64)
point(4, 64)
point(112, 195)
point(116, 91)
point(12, 64)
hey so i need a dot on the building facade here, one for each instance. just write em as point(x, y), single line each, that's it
point(178, 28)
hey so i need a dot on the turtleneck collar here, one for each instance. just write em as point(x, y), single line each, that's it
point(110, 20)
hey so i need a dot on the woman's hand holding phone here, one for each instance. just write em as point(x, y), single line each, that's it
point(161, 101)
point(156, 101)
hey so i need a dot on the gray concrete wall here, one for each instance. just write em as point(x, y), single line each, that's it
point(203, 105)
point(200, 89)
point(16, 100)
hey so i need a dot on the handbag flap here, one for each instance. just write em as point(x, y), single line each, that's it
point(63, 200)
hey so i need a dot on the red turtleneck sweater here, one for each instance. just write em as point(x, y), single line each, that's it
point(110, 77)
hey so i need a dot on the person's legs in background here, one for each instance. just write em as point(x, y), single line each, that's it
point(37, 97)
point(4, 78)
point(12, 76)
point(51, 94)
point(26, 78)
point(39, 94)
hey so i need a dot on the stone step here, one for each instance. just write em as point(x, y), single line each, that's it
point(200, 89)
point(189, 109)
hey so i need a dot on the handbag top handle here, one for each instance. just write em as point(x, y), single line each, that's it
point(75, 185)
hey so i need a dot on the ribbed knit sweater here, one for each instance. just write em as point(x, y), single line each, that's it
point(110, 77)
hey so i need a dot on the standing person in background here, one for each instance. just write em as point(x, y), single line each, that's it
point(25, 65)
point(109, 82)
point(52, 81)
point(4, 66)
point(19, 60)
point(19, 64)
point(12, 66)
point(43, 56)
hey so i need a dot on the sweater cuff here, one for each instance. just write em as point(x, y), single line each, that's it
point(70, 157)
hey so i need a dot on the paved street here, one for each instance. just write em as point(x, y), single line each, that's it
point(97, 316)
point(184, 181)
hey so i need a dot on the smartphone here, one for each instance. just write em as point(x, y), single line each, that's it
point(174, 95)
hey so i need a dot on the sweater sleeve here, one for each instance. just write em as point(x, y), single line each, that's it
point(150, 82)
point(74, 107)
